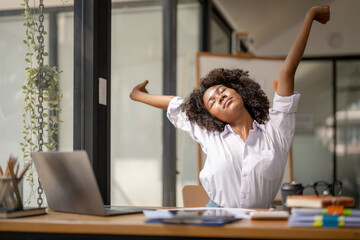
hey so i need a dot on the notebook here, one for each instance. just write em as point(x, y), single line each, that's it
point(70, 186)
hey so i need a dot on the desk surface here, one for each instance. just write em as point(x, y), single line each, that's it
point(134, 225)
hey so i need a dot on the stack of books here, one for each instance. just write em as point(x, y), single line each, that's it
point(322, 211)
point(312, 217)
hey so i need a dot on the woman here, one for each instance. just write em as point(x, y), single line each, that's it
point(246, 143)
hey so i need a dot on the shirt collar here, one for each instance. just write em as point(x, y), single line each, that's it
point(227, 129)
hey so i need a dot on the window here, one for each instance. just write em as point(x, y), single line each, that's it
point(328, 111)
point(188, 39)
point(220, 40)
point(313, 137)
point(220, 33)
point(136, 135)
point(136, 177)
point(348, 126)
point(13, 76)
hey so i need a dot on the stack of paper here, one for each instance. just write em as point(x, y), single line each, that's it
point(196, 216)
point(312, 217)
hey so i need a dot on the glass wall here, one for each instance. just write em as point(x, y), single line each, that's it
point(66, 65)
point(313, 145)
point(313, 148)
point(219, 40)
point(13, 76)
point(136, 135)
point(348, 127)
point(187, 40)
point(136, 173)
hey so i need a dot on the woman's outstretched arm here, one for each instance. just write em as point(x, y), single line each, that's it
point(140, 94)
point(288, 69)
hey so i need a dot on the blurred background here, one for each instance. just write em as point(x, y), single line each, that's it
point(327, 140)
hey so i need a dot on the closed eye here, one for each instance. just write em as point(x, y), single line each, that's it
point(218, 90)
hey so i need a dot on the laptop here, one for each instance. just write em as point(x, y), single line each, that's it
point(70, 186)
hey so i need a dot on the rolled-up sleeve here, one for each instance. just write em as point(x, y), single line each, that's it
point(282, 117)
point(286, 104)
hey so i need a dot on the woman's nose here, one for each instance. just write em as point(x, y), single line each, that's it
point(221, 98)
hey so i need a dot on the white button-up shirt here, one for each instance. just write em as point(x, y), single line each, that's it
point(243, 174)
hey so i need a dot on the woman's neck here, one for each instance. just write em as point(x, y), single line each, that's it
point(243, 126)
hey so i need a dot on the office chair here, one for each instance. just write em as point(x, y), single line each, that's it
point(194, 196)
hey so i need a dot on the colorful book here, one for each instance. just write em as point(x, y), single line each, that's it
point(325, 211)
point(4, 213)
point(324, 221)
point(314, 201)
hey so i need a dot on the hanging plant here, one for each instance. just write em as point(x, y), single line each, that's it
point(42, 96)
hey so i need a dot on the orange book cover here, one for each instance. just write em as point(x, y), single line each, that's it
point(315, 201)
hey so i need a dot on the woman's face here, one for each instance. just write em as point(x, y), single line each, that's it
point(223, 103)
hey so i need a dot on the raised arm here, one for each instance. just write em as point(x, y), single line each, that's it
point(140, 94)
point(288, 69)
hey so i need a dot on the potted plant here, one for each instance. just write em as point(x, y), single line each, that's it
point(42, 96)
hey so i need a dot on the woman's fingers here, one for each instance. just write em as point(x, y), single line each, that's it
point(141, 87)
point(322, 14)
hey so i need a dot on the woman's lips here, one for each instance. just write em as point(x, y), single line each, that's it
point(227, 102)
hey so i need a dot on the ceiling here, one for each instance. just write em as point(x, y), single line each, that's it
point(265, 20)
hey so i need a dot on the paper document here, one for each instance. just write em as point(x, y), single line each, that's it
point(238, 213)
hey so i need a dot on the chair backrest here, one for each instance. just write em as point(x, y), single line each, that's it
point(194, 196)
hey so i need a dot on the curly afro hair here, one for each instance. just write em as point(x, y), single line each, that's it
point(255, 100)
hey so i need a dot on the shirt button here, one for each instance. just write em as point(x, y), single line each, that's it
point(243, 196)
point(245, 174)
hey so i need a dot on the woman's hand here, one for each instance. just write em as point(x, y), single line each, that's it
point(321, 13)
point(140, 94)
point(138, 89)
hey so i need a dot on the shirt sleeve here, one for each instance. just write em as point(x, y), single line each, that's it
point(179, 119)
point(282, 117)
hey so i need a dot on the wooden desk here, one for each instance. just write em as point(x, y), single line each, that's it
point(56, 225)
